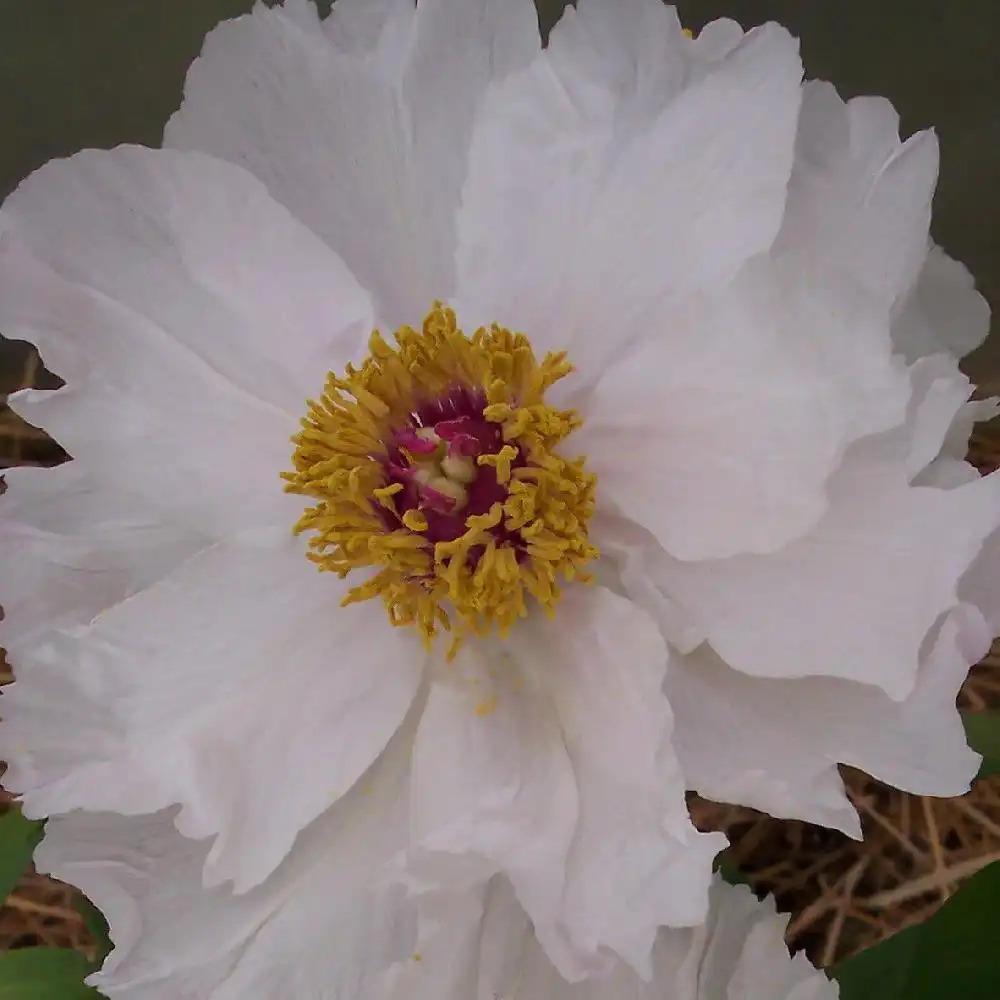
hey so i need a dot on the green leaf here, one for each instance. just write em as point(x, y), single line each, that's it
point(982, 729)
point(44, 974)
point(18, 839)
point(94, 921)
point(727, 868)
point(953, 954)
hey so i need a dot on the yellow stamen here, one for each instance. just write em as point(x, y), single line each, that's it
point(501, 462)
point(521, 549)
point(415, 520)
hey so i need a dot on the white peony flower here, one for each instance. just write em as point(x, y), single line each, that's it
point(737, 269)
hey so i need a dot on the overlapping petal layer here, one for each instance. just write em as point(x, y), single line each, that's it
point(481, 945)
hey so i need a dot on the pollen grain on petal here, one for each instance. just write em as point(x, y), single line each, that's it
point(435, 467)
point(487, 706)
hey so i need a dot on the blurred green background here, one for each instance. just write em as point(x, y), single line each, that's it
point(76, 73)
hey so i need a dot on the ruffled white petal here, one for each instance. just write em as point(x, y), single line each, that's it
point(716, 40)
point(464, 946)
point(361, 130)
point(659, 428)
point(981, 585)
point(943, 312)
point(551, 761)
point(481, 945)
point(719, 433)
point(210, 689)
point(71, 549)
point(582, 237)
point(859, 201)
point(956, 442)
point(494, 789)
point(148, 418)
point(378, 29)
point(322, 926)
point(940, 394)
point(636, 862)
point(199, 249)
point(747, 957)
point(631, 565)
point(633, 50)
point(854, 598)
point(122, 268)
point(774, 745)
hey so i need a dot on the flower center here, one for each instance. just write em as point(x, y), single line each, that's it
point(434, 464)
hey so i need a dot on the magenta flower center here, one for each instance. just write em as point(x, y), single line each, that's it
point(434, 458)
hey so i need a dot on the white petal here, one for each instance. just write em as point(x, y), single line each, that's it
point(464, 937)
point(580, 243)
point(738, 953)
point(633, 49)
point(859, 201)
point(493, 789)
point(72, 549)
point(577, 799)
point(480, 945)
point(630, 557)
point(64, 498)
point(854, 598)
point(371, 149)
point(940, 392)
point(956, 442)
point(322, 926)
point(666, 193)
point(142, 414)
point(763, 969)
point(658, 429)
point(981, 585)
point(944, 311)
point(198, 248)
point(946, 473)
point(774, 745)
point(717, 39)
point(233, 676)
point(380, 29)
point(636, 862)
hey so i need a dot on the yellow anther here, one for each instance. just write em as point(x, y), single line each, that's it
point(520, 549)
point(384, 494)
point(501, 462)
point(370, 402)
point(415, 520)
point(483, 522)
